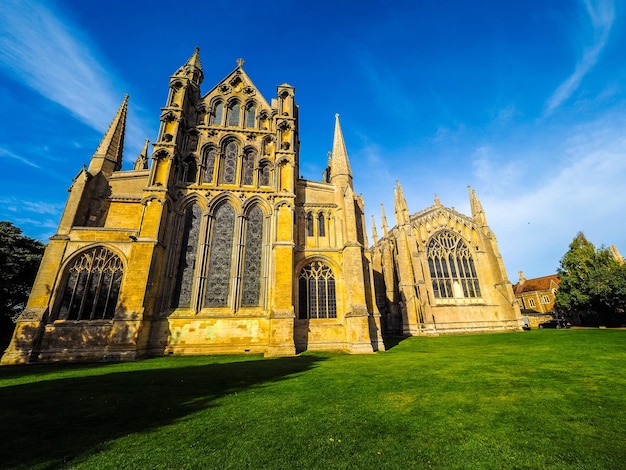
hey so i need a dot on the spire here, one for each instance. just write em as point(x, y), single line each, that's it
point(374, 232)
point(192, 68)
point(384, 221)
point(111, 146)
point(437, 201)
point(141, 163)
point(340, 165)
point(477, 208)
point(401, 208)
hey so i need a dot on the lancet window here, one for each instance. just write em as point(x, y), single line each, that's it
point(92, 286)
point(310, 231)
point(264, 174)
point(209, 164)
point(217, 115)
point(316, 292)
point(187, 257)
point(229, 163)
point(321, 226)
point(234, 110)
point(451, 266)
point(251, 115)
point(247, 178)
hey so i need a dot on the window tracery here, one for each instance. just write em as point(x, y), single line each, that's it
point(181, 297)
point(220, 256)
point(248, 167)
point(209, 164)
point(316, 289)
point(92, 286)
point(251, 282)
point(229, 166)
point(452, 268)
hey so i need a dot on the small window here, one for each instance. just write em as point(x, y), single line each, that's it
point(545, 299)
point(251, 115)
point(321, 228)
point(264, 175)
point(218, 111)
point(531, 302)
point(309, 225)
point(233, 114)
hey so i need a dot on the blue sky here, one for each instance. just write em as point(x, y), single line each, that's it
point(523, 100)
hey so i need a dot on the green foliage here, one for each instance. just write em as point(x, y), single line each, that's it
point(19, 260)
point(593, 285)
point(455, 402)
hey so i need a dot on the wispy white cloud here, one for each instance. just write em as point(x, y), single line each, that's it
point(8, 154)
point(12, 204)
point(601, 15)
point(53, 57)
point(47, 52)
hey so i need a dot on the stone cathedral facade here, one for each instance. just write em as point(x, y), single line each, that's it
point(212, 244)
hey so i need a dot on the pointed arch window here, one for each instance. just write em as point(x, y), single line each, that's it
point(190, 169)
point(92, 286)
point(220, 257)
point(247, 177)
point(321, 226)
point(209, 164)
point(217, 115)
point(309, 225)
point(251, 115)
point(316, 292)
point(451, 266)
point(187, 257)
point(234, 109)
point(264, 174)
point(229, 166)
point(251, 282)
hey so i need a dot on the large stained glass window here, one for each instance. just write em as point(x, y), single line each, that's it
point(92, 286)
point(451, 266)
point(248, 168)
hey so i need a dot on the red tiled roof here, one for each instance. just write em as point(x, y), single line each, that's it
point(536, 284)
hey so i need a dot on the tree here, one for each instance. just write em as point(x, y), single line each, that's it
point(19, 260)
point(593, 285)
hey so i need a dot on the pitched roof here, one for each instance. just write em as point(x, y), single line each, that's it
point(537, 284)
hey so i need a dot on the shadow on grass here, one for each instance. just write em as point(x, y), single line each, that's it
point(392, 341)
point(51, 423)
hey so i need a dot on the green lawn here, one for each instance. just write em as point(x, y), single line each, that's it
point(538, 399)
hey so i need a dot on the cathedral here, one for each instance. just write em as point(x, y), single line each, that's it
point(212, 244)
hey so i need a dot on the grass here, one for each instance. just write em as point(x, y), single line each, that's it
point(539, 399)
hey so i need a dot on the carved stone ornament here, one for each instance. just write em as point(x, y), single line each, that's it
point(235, 81)
point(249, 90)
point(251, 136)
point(212, 133)
point(284, 125)
point(168, 116)
point(224, 88)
